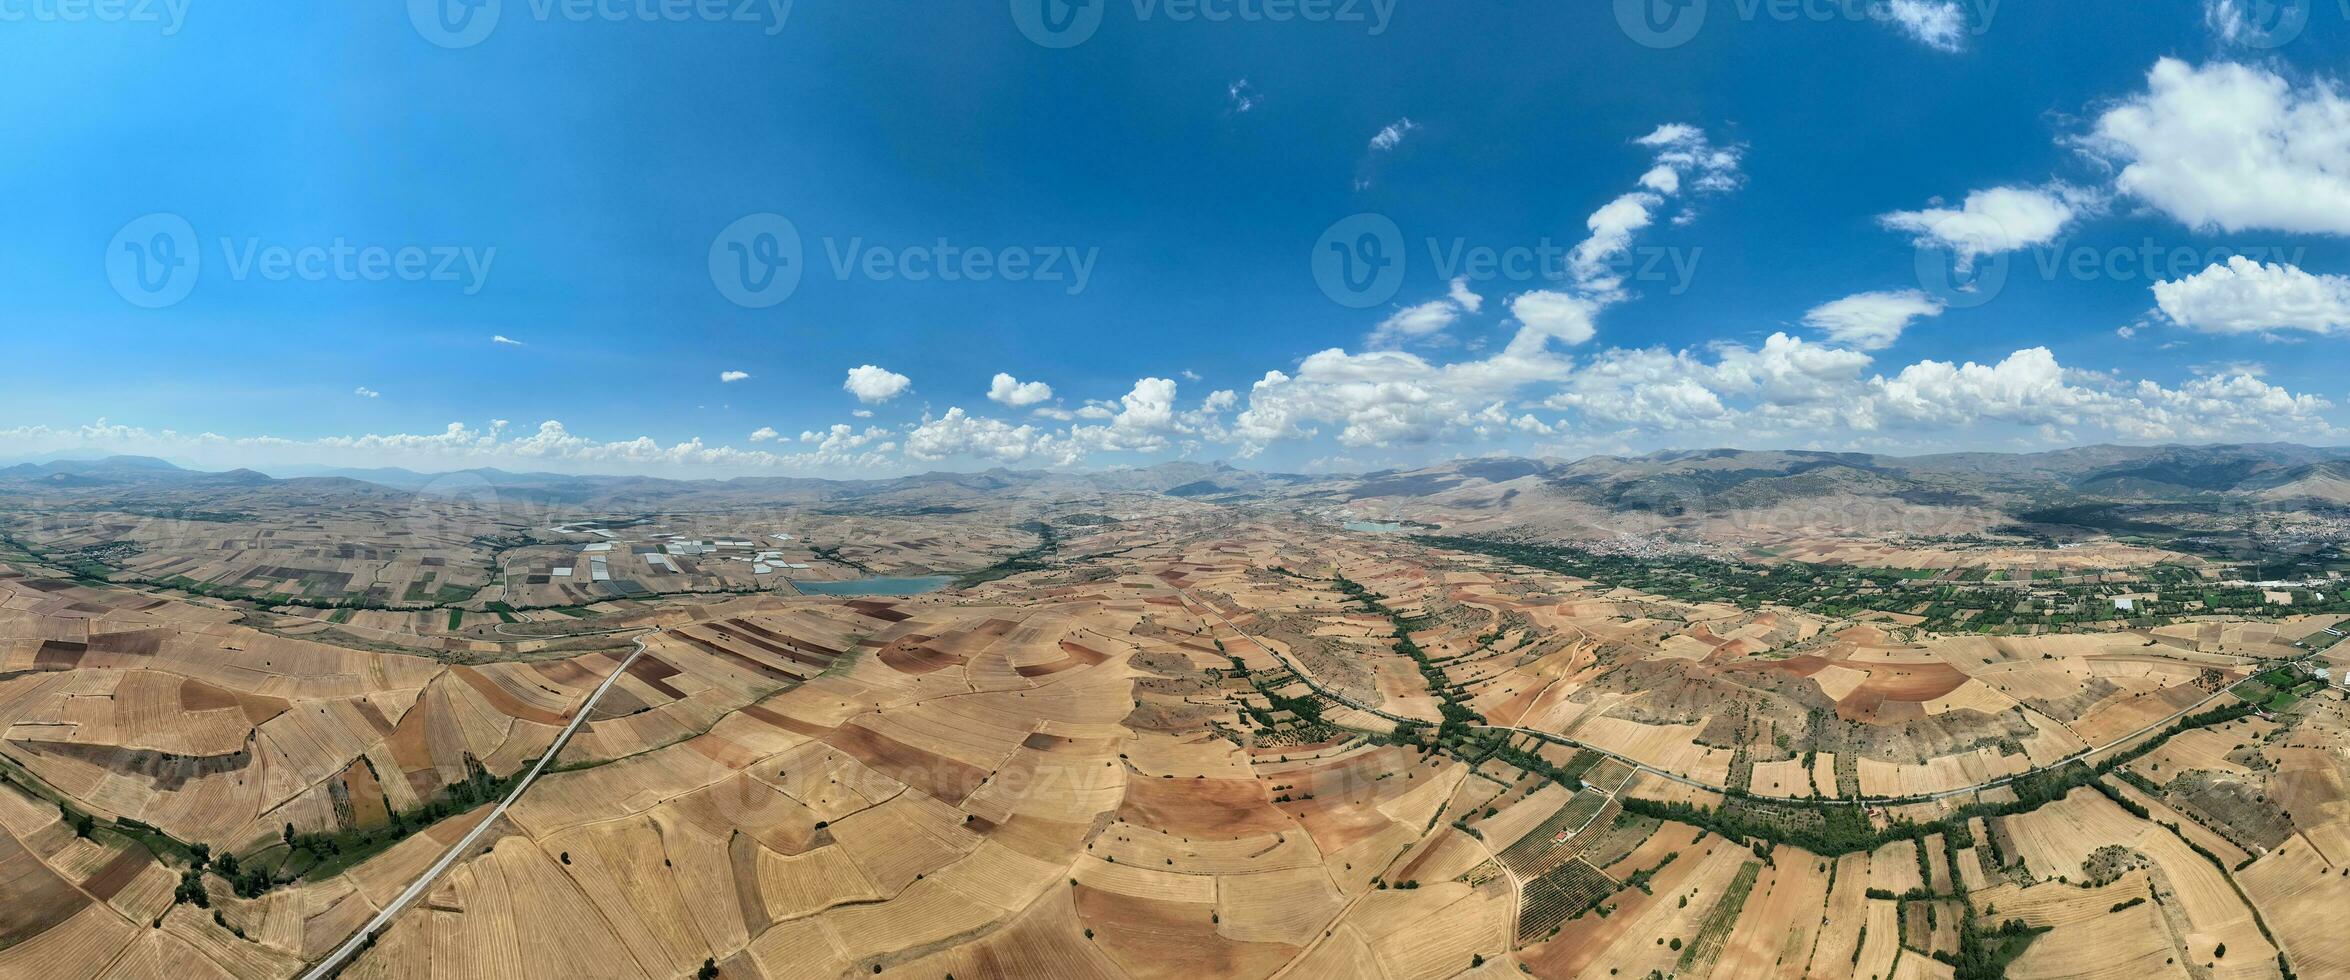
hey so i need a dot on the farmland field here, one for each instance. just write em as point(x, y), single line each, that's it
point(1183, 747)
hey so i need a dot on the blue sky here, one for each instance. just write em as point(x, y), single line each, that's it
point(564, 181)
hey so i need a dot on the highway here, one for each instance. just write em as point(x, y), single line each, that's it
point(1316, 686)
point(423, 882)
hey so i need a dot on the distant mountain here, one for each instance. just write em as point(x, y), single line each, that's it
point(1500, 490)
point(118, 470)
point(2326, 483)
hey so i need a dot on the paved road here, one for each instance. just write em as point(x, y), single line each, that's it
point(1317, 688)
point(417, 889)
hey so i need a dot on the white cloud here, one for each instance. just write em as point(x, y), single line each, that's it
point(1425, 321)
point(1873, 320)
point(1392, 134)
point(730, 377)
point(1241, 97)
point(1993, 220)
point(1387, 398)
point(1937, 24)
point(1686, 160)
point(958, 434)
point(1458, 292)
point(2233, 22)
point(364, 391)
point(1791, 390)
point(2231, 147)
point(1560, 316)
point(2245, 296)
point(548, 447)
point(840, 439)
point(500, 338)
point(1008, 390)
point(1787, 391)
point(873, 385)
point(1687, 150)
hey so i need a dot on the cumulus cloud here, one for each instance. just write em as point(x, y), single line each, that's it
point(2244, 296)
point(1384, 398)
point(959, 434)
point(1008, 390)
point(1873, 320)
point(730, 377)
point(1786, 391)
point(2230, 147)
point(874, 385)
point(1937, 24)
point(840, 439)
point(364, 391)
point(1993, 220)
point(1791, 389)
point(1425, 322)
point(1558, 316)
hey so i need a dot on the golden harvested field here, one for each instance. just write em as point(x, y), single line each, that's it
point(1181, 747)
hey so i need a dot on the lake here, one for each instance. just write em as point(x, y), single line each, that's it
point(879, 585)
